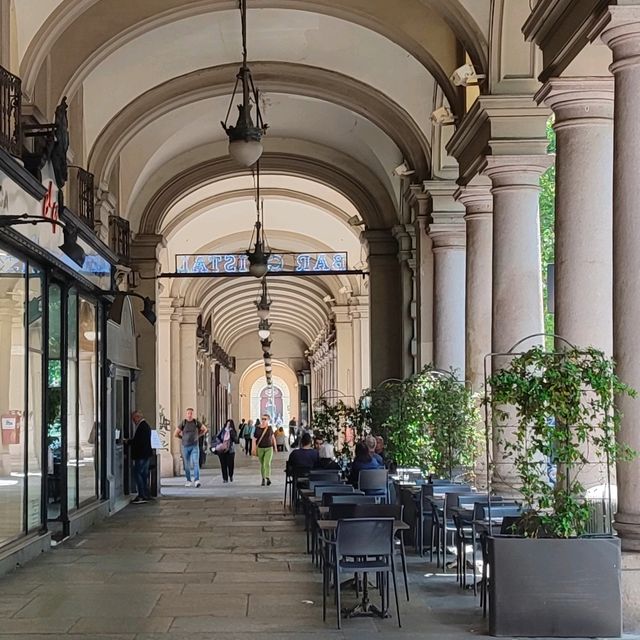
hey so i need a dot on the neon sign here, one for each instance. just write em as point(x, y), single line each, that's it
point(237, 262)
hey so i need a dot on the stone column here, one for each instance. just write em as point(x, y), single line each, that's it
point(188, 359)
point(622, 35)
point(424, 280)
point(163, 327)
point(344, 351)
point(357, 352)
point(405, 254)
point(447, 232)
point(583, 232)
point(175, 412)
point(478, 202)
point(384, 300)
point(517, 310)
point(517, 280)
point(144, 261)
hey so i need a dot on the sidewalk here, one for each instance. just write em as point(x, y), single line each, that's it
point(218, 562)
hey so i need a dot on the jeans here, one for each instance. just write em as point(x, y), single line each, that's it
point(191, 457)
point(141, 475)
point(265, 455)
point(227, 461)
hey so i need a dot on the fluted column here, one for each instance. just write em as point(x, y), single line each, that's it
point(478, 202)
point(622, 35)
point(583, 110)
point(447, 232)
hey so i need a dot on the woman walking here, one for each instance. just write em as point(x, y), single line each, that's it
point(264, 446)
point(225, 448)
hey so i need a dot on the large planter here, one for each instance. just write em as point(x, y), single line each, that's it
point(555, 587)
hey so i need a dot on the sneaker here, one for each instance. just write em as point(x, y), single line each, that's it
point(197, 483)
point(138, 500)
point(268, 482)
point(187, 483)
point(225, 481)
point(263, 482)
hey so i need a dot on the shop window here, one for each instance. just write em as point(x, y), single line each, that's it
point(72, 400)
point(88, 436)
point(35, 397)
point(12, 398)
point(54, 405)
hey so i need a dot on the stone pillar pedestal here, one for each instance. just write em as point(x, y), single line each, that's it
point(478, 202)
point(622, 35)
point(447, 232)
point(384, 301)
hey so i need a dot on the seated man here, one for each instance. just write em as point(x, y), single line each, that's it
point(306, 457)
point(379, 450)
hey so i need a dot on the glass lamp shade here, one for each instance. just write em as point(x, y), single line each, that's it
point(245, 152)
point(263, 334)
point(258, 269)
point(263, 313)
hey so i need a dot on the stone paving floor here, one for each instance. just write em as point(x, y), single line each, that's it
point(221, 561)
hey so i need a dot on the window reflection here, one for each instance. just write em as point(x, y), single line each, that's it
point(87, 385)
point(72, 400)
point(54, 405)
point(12, 400)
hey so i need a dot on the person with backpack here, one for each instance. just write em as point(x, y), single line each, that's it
point(189, 431)
point(224, 447)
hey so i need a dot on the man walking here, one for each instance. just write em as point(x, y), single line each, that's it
point(189, 432)
point(141, 453)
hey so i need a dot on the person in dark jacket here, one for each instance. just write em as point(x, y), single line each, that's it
point(225, 448)
point(141, 453)
point(362, 460)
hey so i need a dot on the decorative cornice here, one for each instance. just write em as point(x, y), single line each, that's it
point(498, 126)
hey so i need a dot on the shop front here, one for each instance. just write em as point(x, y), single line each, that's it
point(52, 382)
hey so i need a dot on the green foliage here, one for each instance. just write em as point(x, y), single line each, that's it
point(547, 208)
point(338, 425)
point(565, 410)
point(428, 421)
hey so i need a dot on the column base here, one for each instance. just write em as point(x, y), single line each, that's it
point(628, 528)
point(631, 592)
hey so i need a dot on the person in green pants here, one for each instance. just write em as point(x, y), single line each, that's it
point(264, 444)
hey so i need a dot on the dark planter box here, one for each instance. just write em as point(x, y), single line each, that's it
point(555, 588)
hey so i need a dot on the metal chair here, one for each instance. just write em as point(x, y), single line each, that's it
point(362, 545)
point(374, 482)
point(394, 511)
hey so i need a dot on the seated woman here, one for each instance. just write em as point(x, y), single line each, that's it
point(362, 460)
point(327, 458)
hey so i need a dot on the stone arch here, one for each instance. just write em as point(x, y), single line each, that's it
point(79, 25)
point(347, 176)
point(280, 77)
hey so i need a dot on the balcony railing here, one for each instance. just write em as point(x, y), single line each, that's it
point(10, 112)
point(120, 237)
point(80, 194)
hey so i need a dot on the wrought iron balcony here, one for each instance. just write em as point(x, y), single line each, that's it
point(10, 112)
point(120, 237)
point(80, 195)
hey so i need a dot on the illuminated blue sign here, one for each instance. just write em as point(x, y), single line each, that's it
point(238, 263)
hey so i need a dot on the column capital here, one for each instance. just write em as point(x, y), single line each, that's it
point(622, 35)
point(476, 198)
point(380, 242)
point(190, 315)
point(516, 172)
point(447, 230)
point(577, 101)
point(341, 313)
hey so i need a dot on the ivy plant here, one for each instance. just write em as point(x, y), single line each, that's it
point(565, 413)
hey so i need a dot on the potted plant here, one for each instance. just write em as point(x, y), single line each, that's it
point(550, 578)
